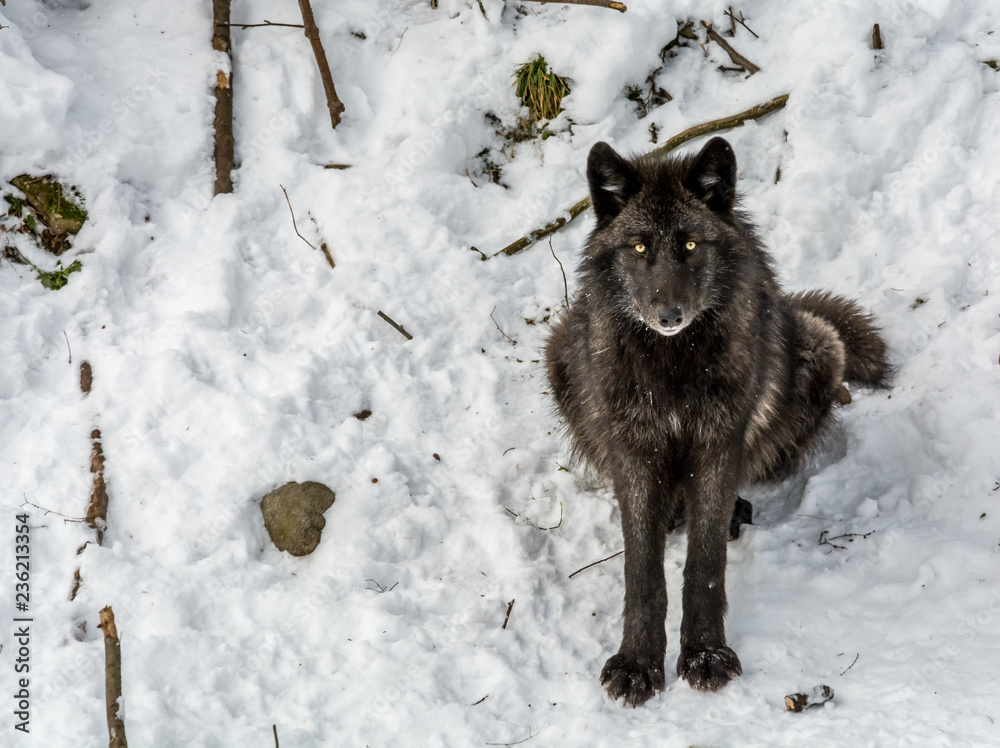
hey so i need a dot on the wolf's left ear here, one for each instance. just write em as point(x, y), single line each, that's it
point(613, 180)
point(712, 177)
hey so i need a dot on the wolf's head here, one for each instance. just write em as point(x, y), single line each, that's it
point(663, 231)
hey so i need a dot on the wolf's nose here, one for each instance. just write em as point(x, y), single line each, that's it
point(670, 316)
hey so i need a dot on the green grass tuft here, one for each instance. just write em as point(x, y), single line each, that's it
point(540, 89)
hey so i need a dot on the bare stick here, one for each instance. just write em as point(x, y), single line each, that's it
point(259, 25)
point(613, 555)
point(399, 328)
point(113, 679)
point(275, 728)
point(510, 607)
point(225, 158)
point(620, 7)
point(323, 246)
point(706, 128)
point(333, 102)
point(735, 56)
point(876, 37)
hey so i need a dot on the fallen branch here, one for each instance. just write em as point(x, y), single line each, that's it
point(613, 555)
point(333, 102)
point(620, 7)
point(398, 327)
point(225, 143)
point(113, 679)
point(322, 247)
point(706, 128)
point(735, 56)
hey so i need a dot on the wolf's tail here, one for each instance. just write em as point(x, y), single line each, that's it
point(865, 363)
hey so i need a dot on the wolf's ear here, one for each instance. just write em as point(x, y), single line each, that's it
point(712, 178)
point(613, 181)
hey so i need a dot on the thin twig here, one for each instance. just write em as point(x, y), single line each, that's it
point(824, 538)
point(400, 41)
point(706, 128)
point(260, 25)
point(518, 742)
point(275, 728)
point(613, 555)
point(506, 618)
point(399, 328)
point(68, 347)
point(333, 102)
point(513, 342)
point(612, 4)
point(852, 664)
point(735, 56)
point(323, 247)
point(481, 700)
point(563, 270)
point(66, 517)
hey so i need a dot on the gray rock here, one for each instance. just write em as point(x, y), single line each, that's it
point(293, 516)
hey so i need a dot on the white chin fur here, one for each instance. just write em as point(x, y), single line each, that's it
point(668, 332)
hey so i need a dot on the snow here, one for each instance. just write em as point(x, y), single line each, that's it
point(229, 358)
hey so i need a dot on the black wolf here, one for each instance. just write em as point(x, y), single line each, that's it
point(683, 372)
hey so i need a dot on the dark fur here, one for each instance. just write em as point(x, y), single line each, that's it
point(677, 423)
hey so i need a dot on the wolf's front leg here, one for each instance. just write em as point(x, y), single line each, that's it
point(636, 672)
point(705, 661)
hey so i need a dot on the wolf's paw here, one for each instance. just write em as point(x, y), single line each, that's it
point(631, 679)
point(708, 669)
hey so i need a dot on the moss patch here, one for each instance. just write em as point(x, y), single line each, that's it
point(51, 204)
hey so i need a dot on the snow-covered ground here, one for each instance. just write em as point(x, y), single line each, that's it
point(229, 358)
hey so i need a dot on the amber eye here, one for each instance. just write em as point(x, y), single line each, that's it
point(690, 246)
point(640, 248)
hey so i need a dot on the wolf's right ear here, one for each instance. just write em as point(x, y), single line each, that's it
point(613, 180)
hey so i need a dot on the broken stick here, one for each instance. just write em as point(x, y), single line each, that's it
point(333, 101)
point(735, 56)
point(796, 702)
point(113, 679)
point(706, 128)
